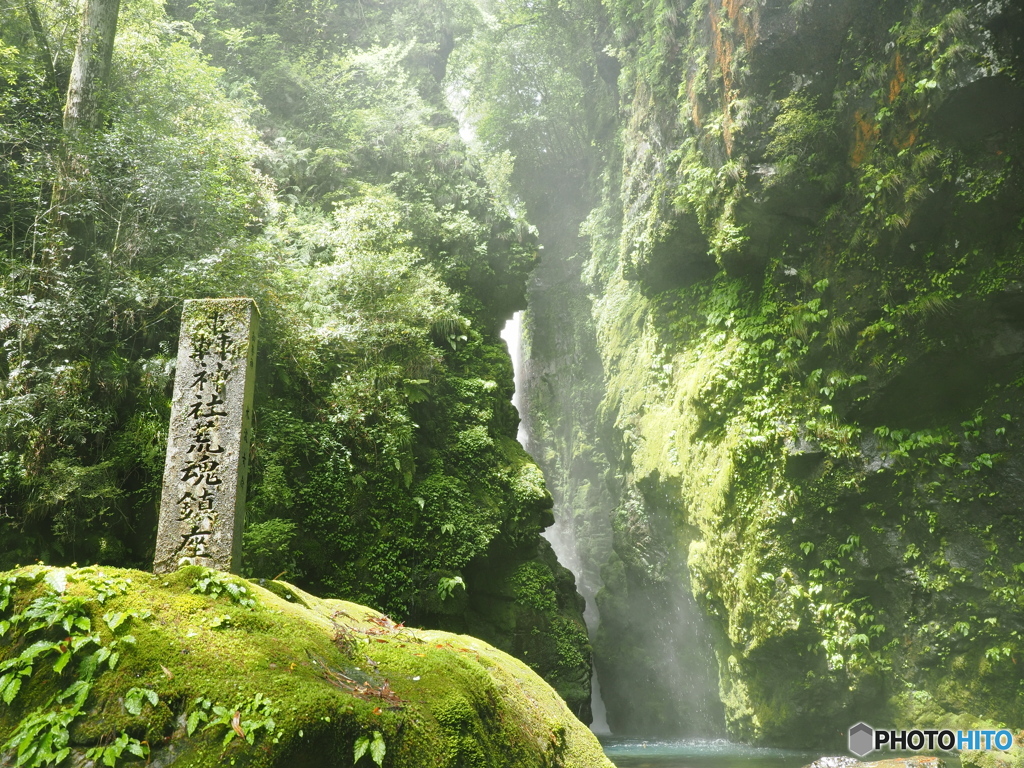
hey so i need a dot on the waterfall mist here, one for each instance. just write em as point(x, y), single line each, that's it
point(561, 535)
point(655, 669)
point(654, 649)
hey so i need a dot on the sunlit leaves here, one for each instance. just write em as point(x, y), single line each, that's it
point(374, 745)
point(183, 153)
point(137, 697)
point(531, 99)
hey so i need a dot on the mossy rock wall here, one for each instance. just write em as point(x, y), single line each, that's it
point(198, 668)
point(804, 269)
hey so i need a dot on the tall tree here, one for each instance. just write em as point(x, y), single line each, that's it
point(44, 46)
point(89, 72)
point(91, 66)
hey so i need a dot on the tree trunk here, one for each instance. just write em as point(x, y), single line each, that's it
point(91, 65)
point(89, 73)
point(44, 46)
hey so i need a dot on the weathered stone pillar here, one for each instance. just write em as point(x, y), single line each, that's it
point(202, 507)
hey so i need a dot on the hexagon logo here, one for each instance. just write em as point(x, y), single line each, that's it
point(861, 739)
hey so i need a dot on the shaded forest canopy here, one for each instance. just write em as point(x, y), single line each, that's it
point(303, 155)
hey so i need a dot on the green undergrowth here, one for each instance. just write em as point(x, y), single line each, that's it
point(199, 668)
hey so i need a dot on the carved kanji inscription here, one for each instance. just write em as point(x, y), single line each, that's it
point(202, 507)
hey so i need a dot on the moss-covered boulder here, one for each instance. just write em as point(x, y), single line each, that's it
point(199, 668)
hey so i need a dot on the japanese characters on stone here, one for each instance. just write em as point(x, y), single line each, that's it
point(203, 502)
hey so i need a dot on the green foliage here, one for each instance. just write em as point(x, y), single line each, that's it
point(570, 642)
point(267, 547)
point(245, 720)
point(109, 754)
point(446, 586)
point(41, 736)
point(534, 586)
point(216, 583)
point(137, 697)
point(538, 99)
point(374, 745)
point(802, 140)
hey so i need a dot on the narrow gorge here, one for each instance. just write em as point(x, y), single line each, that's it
point(774, 355)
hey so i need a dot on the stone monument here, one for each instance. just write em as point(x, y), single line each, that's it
point(202, 506)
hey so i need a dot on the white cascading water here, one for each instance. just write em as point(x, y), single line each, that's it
point(512, 334)
point(560, 534)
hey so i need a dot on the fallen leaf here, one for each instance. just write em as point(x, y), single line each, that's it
point(236, 723)
point(170, 675)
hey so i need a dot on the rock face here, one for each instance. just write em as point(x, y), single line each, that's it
point(990, 758)
point(787, 386)
point(907, 762)
point(199, 668)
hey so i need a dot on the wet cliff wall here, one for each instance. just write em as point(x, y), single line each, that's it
point(776, 344)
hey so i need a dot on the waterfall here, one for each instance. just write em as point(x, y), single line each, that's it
point(559, 535)
point(512, 334)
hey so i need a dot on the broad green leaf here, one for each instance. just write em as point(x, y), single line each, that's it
point(133, 701)
point(9, 688)
point(62, 661)
point(136, 698)
point(79, 690)
point(137, 748)
point(37, 648)
point(78, 643)
point(57, 579)
point(362, 744)
point(378, 748)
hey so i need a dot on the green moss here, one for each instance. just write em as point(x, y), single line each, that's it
point(323, 671)
point(534, 586)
